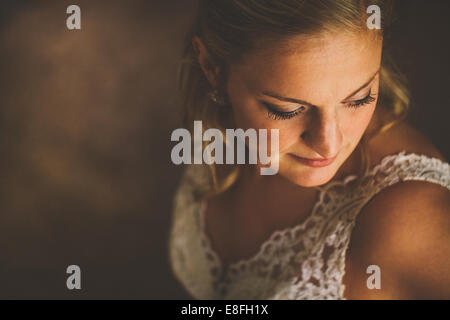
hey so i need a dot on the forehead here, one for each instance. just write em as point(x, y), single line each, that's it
point(299, 66)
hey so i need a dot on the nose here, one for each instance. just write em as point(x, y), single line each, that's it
point(323, 135)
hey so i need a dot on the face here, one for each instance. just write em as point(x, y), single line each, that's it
point(319, 92)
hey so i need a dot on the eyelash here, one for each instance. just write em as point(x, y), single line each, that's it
point(279, 115)
point(361, 102)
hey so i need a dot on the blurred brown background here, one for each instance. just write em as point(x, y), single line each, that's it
point(85, 124)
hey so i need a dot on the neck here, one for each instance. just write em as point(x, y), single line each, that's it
point(256, 188)
point(269, 193)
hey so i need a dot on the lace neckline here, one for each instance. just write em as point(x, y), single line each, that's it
point(277, 236)
point(273, 237)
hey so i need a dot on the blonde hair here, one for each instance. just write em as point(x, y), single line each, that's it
point(232, 28)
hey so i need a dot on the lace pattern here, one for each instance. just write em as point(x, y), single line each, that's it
point(306, 261)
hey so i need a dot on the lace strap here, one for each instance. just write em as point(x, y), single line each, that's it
point(406, 167)
point(394, 169)
point(187, 262)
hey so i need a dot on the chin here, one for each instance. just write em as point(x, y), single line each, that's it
point(310, 178)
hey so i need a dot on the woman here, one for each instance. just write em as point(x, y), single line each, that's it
point(367, 219)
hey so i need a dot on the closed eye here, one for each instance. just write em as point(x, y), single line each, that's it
point(361, 102)
point(275, 114)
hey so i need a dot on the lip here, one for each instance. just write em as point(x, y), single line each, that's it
point(316, 163)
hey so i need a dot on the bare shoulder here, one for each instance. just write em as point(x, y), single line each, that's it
point(404, 230)
point(402, 136)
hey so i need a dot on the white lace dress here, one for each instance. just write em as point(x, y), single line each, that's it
point(306, 261)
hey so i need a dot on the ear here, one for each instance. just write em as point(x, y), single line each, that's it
point(209, 69)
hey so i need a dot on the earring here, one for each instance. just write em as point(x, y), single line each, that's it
point(217, 98)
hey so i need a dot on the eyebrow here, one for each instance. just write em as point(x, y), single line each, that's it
point(267, 93)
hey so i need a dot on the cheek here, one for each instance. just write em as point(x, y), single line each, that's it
point(244, 109)
point(244, 117)
point(354, 124)
point(248, 114)
point(290, 132)
point(245, 112)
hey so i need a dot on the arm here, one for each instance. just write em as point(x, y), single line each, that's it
point(405, 230)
